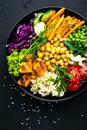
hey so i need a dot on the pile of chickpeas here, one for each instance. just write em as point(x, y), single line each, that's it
point(54, 53)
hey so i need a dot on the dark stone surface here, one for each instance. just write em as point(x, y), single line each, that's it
point(19, 111)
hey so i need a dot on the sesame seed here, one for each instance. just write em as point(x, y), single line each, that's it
point(54, 122)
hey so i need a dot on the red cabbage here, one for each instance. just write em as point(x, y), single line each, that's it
point(21, 39)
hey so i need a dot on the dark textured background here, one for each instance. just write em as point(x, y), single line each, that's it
point(18, 111)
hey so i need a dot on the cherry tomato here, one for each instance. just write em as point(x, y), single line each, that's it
point(74, 83)
point(75, 72)
point(73, 86)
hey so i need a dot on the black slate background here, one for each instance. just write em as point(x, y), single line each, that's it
point(19, 111)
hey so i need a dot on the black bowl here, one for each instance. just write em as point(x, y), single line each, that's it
point(25, 19)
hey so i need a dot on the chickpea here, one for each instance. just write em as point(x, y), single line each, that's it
point(39, 54)
point(47, 63)
point(65, 60)
point(47, 44)
point(43, 61)
point(55, 56)
point(57, 50)
point(65, 48)
point(62, 50)
point(56, 44)
point(55, 39)
point(57, 62)
point(52, 41)
point(61, 44)
point(46, 53)
point(46, 58)
point(48, 49)
point(66, 63)
point(58, 57)
point(62, 66)
point(39, 59)
point(50, 55)
point(64, 39)
point(53, 51)
point(67, 52)
point(58, 36)
point(51, 46)
point(61, 62)
point(63, 56)
point(42, 48)
point(49, 67)
point(61, 39)
point(53, 61)
point(68, 56)
point(52, 69)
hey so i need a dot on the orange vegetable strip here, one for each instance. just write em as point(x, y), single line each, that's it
point(55, 28)
point(52, 24)
point(63, 26)
point(60, 12)
point(74, 28)
point(73, 22)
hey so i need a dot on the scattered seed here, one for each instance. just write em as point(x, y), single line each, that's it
point(8, 106)
point(58, 118)
point(29, 127)
point(45, 117)
point(27, 119)
point(12, 103)
point(54, 122)
point(22, 123)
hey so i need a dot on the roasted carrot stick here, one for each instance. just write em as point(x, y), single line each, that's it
point(65, 23)
point(74, 28)
point(74, 21)
point(55, 28)
point(60, 12)
point(52, 24)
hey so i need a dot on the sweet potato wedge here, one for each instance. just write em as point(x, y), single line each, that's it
point(39, 68)
point(29, 58)
point(24, 80)
point(26, 67)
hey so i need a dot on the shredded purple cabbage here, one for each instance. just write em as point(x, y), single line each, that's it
point(21, 39)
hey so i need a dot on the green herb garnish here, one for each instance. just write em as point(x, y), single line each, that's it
point(62, 77)
point(77, 50)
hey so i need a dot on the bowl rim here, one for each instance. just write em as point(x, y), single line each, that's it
point(32, 95)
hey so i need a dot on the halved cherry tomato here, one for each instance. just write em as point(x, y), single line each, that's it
point(74, 84)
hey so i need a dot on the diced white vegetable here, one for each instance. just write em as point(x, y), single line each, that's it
point(81, 60)
point(75, 58)
point(39, 27)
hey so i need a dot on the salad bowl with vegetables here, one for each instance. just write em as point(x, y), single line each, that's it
point(47, 54)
